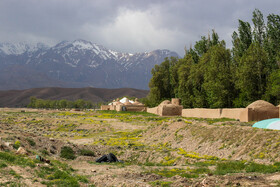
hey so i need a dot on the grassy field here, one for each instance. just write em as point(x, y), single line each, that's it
point(155, 151)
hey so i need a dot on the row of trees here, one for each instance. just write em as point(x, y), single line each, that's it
point(212, 76)
point(59, 104)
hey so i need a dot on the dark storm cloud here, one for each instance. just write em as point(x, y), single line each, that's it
point(126, 25)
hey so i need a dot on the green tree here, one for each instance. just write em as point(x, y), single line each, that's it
point(32, 102)
point(245, 35)
point(273, 87)
point(160, 84)
point(273, 40)
point(185, 88)
point(195, 81)
point(201, 46)
point(70, 104)
point(88, 105)
point(174, 79)
point(259, 31)
point(252, 75)
point(39, 103)
point(80, 103)
point(63, 103)
point(217, 77)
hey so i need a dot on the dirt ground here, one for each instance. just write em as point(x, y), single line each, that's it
point(155, 151)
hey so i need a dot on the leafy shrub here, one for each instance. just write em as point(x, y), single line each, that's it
point(67, 152)
point(44, 152)
point(86, 152)
point(31, 142)
point(3, 164)
point(16, 144)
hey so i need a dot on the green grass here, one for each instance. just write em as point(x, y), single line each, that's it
point(3, 164)
point(229, 167)
point(190, 173)
point(67, 152)
point(86, 152)
point(205, 163)
point(14, 174)
point(211, 121)
point(58, 177)
point(10, 158)
point(31, 142)
point(60, 174)
point(261, 168)
point(44, 152)
point(11, 184)
point(160, 183)
point(243, 166)
point(195, 155)
point(126, 112)
point(122, 139)
point(56, 174)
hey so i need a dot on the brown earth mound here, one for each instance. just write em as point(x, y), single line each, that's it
point(261, 104)
point(20, 98)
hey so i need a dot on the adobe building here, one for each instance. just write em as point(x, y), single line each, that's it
point(259, 110)
point(136, 106)
point(105, 107)
point(125, 105)
point(256, 111)
point(167, 108)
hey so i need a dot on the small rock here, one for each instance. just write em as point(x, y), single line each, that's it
point(21, 151)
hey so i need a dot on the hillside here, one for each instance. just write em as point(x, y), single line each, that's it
point(20, 98)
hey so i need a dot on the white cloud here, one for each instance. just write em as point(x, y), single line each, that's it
point(126, 25)
point(134, 31)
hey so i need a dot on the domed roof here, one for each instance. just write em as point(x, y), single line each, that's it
point(165, 102)
point(127, 102)
point(136, 102)
point(118, 103)
point(261, 104)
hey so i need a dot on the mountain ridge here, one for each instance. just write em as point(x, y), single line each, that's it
point(20, 98)
point(79, 63)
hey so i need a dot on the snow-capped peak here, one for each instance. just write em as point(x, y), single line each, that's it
point(20, 48)
point(83, 45)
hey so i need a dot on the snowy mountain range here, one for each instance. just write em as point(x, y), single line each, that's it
point(78, 63)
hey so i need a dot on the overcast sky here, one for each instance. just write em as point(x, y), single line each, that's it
point(126, 25)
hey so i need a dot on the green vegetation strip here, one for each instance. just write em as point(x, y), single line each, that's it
point(57, 173)
point(222, 168)
point(243, 166)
